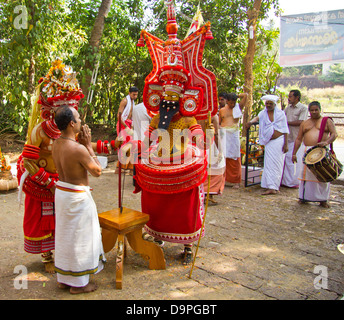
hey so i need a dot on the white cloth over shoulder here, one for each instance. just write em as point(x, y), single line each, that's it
point(266, 127)
point(141, 121)
point(127, 108)
point(78, 244)
point(237, 111)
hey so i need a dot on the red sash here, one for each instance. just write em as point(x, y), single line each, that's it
point(322, 130)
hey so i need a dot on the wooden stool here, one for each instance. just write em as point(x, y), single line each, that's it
point(128, 224)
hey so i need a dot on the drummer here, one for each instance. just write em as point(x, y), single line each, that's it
point(310, 189)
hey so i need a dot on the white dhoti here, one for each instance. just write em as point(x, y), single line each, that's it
point(78, 243)
point(310, 188)
point(273, 164)
point(230, 142)
point(291, 171)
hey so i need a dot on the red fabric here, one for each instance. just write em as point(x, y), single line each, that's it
point(174, 217)
point(35, 190)
point(233, 170)
point(322, 130)
point(39, 222)
point(128, 122)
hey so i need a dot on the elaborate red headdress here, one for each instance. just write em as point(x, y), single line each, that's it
point(177, 67)
point(59, 87)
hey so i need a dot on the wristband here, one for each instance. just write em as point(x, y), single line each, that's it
point(41, 177)
point(31, 152)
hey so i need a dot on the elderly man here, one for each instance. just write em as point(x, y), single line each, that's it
point(273, 134)
point(314, 132)
point(296, 113)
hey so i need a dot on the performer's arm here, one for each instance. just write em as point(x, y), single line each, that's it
point(31, 156)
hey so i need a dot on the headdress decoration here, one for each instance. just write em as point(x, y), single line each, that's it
point(59, 87)
point(177, 67)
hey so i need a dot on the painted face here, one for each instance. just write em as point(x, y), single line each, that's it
point(315, 112)
point(171, 96)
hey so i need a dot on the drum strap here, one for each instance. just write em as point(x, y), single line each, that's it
point(322, 130)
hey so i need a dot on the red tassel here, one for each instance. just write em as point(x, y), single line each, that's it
point(209, 35)
point(141, 42)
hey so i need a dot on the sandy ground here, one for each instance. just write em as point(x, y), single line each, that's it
point(255, 248)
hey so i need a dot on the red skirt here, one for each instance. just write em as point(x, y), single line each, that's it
point(39, 225)
point(174, 217)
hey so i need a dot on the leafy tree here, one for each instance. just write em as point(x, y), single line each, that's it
point(335, 74)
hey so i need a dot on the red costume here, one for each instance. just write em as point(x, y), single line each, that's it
point(178, 91)
point(36, 171)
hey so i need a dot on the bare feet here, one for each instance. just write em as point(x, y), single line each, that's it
point(49, 267)
point(62, 286)
point(90, 287)
point(211, 199)
point(236, 186)
point(302, 201)
point(324, 204)
point(270, 191)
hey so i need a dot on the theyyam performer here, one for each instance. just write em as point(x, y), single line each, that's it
point(170, 174)
point(37, 174)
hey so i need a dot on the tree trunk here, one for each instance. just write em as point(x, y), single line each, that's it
point(94, 43)
point(252, 15)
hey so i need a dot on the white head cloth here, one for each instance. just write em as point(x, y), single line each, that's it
point(271, 97)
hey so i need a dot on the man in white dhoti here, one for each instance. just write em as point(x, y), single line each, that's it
point(312, 133)
point(229, 117)
point(78, 244)
point(296, 113)
point(273, 135)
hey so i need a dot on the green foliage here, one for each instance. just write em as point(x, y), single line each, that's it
point(335, 74)
point(63, 28)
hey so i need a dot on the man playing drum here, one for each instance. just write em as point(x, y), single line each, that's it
point(310, 189)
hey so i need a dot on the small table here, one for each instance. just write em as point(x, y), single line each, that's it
point(128, 224)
